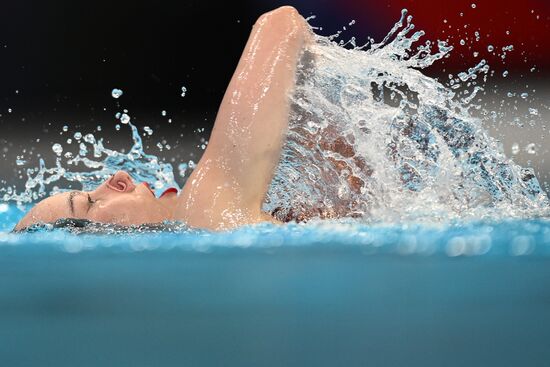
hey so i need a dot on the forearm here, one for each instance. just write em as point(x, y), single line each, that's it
point(229, 184)
point(253, 117)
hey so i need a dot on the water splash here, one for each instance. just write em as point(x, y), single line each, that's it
point(94, 164)
point(371, 136)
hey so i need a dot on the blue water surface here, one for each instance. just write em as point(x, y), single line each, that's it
point(320, 294)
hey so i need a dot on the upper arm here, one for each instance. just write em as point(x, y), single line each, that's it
point(236, 169)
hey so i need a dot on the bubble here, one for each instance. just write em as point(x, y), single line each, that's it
point(183, 91)
point(57, 149)
point(116, 93)
point(125, 118)
point(490, 48)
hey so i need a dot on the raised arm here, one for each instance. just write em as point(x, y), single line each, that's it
point(230, 182)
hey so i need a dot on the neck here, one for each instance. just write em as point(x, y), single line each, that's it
point(169, 201)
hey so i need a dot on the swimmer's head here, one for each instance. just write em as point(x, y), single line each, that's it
point(118, 201)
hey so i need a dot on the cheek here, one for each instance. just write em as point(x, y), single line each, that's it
point(113, 211)
point(124, 211)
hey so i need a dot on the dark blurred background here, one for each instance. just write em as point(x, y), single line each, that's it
point(61, 59)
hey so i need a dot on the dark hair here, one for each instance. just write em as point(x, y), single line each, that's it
point(85, 226)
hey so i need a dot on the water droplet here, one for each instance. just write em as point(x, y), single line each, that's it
point(9, 110)
point(83, 149)
point(515, 148)
point(473, 6)
point(89, 138)
point(117, 127)
point(57, 149)
point(530, 148)
point(462, 42)
point(533, 111)
point(69, 141)
point(163, 113)
point(183, 91)
point(490, 48)
point(116, 93)
point(505, 73)
point(78, 135)
point(524, 95)
point(65, 128)
point(148, 130)
point(124, 118)
point(476, 54)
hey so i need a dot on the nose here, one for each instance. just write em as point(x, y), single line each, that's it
point(121, 182)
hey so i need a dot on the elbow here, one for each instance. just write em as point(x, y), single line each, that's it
point(282, 15)
point(284, 19)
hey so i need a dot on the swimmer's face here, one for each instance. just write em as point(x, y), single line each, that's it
point(118, 200)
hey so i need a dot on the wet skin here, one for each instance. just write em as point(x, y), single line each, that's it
point(229, 185)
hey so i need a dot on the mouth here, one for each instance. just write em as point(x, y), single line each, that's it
point(149, 187)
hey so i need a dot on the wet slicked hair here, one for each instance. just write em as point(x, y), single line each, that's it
point(84, 226)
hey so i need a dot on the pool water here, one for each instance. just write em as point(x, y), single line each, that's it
point(431, 284)
point(321, 294)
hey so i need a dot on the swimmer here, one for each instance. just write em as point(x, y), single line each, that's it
point(229, 185)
